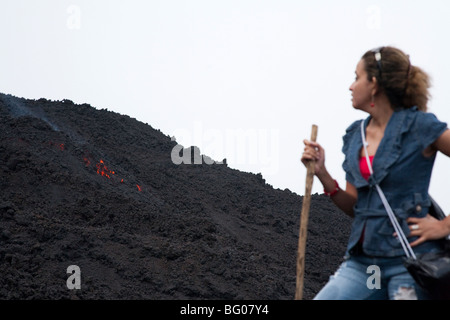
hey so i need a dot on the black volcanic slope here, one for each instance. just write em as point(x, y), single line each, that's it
point(96, 189)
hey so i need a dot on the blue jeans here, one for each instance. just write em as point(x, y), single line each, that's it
point(371, 278)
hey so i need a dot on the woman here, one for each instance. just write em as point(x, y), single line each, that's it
point(402, 142)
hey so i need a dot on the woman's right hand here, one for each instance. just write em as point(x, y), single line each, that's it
point(314, 152)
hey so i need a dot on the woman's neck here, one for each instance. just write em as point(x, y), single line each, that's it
point(381, 113)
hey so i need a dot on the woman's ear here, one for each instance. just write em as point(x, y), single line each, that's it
point(375, 86)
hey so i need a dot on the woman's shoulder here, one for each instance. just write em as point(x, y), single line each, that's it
point(356, 125)
point(352, 133)
point(426, 120)
point(423, 125)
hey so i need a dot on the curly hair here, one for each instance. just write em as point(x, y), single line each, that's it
point(405, 85)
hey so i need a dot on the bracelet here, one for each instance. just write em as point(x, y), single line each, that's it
point(332, 193)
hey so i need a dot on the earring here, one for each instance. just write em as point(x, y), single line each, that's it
point(372, 104)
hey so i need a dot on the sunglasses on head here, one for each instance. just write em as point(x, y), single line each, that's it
point(377, 54)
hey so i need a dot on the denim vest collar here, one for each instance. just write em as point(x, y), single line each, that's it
point(388, 150)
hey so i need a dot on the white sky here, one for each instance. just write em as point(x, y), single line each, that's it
point(241, 79)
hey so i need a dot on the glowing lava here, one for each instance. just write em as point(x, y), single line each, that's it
point(103, 170)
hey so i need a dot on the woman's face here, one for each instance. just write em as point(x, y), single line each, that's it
point(361, 88)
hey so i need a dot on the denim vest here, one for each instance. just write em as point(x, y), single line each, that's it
point(402, 172)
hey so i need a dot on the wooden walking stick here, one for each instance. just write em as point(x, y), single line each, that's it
point(304, 222)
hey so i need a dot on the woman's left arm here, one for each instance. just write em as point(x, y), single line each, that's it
point(442, 143)
point(429, 228)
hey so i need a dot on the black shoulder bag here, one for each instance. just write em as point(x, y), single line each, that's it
point(430, 270)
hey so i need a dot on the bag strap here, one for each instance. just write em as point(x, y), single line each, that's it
point(401, 235)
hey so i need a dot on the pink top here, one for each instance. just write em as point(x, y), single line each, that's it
point(364, 168)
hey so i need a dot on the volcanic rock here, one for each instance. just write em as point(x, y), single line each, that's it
point(99, 190)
